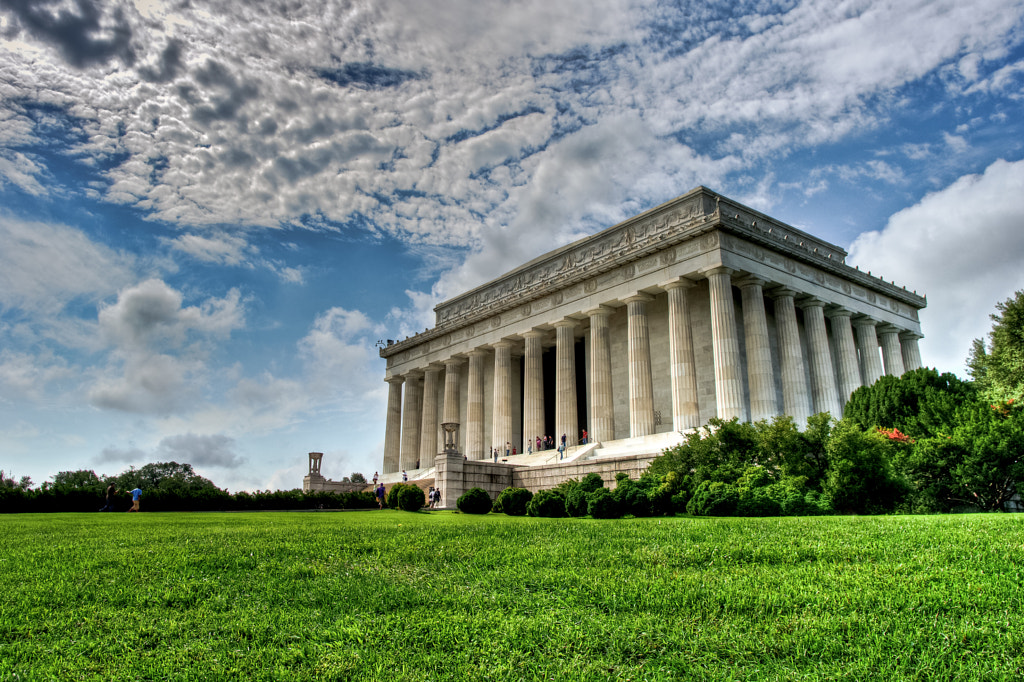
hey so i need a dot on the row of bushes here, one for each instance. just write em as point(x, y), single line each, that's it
point(59, 499)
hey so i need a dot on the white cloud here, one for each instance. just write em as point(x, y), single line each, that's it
point(962, 246)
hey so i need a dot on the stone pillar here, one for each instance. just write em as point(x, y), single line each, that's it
point(428, 426)
point(682, 368)
point(411, 417)
point(760, 373)
point(867, 345)
point(911, 351)
point(501, 422)
point(533, 384)
point(566, 421)
point(892, 354)
point(451, 390)
point(725, 346)
point(393, 428)
point(641, 385)
point(846, 354)
point(475, 406)
point(602, 408)
point(795, 398)
point(823, 377)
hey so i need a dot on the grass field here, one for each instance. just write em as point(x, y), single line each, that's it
point(441, 596)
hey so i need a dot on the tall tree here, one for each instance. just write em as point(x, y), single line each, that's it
point(998, 367)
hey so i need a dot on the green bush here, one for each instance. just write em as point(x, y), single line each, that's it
point(391, 500)
point(713, 498)
point(591, 482)
point(474, 501)
point(513, 501)
point(576, 501)
point(631, 496)
point(547, 503)
point(411, 498)
point(602, 504)
point(757, 502)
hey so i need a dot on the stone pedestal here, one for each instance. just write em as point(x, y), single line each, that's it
point(448, 476)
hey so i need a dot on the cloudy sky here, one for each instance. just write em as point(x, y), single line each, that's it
point(210, 211)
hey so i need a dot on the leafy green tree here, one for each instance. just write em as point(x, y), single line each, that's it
point(921, 403)
point(80, 479)
point(167, 476)
point(860, 476)
point(998, 369)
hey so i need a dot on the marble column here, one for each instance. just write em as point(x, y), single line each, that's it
point(867, 346)
point(892, 354)
point(475, 406)
point(760, 373)
point(911, 351)
point(428, 426)
point(725, 346)
point(451, 390)
point(533, 385)
point(501, 420)
point(411, 417)
point(796, 401)
point(566, 421)
point(641, 385)
point(393, 428)
point(682, 368)
point(846, 354)
point(602, 408)
point(823, 375)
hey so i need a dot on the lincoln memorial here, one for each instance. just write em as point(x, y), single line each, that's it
point(698, 308)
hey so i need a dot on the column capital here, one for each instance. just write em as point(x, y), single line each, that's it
point(414, 373)
point(909, 335)
point(503, 343)
point(718, 270)
point(886, 328)
point(638, 297)
point(453, 363)
point(749, 280)
point(397, 379)
point(783, 292)
point(566, 322)
point(837, 311)
point(864, 321)
point(812, 302)
point(604, 310)
point(678, 283)
point(478, 353)
point(534, 334)
point(433, 367)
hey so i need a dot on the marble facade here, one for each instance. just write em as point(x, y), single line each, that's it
point(700, 307)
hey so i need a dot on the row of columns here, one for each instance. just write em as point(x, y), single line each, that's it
point(856, 341)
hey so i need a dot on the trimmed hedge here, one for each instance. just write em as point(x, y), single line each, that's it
point(513, 501)
point(474, 501)
point(411, 498)
point(547, 503)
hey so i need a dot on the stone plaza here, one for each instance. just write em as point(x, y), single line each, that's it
point(636, 335)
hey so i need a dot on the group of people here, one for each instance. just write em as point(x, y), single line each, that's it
point(112, 493)
point(380, 492)
point(510, 450)
point(548, 442)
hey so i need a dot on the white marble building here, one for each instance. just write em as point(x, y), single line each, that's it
point(698, 308)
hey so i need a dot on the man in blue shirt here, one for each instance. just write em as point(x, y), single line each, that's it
point(136, 494)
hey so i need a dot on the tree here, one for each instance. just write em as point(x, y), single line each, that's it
point(921, 403)
point(998, 369)
point(168, 476)
point(860, 476)
point(358, 478)
point(80, 479)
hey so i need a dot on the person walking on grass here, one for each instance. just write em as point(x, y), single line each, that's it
point(136, 495)
point(111, 495)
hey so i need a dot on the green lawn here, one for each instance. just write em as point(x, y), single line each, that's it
point(398, 596)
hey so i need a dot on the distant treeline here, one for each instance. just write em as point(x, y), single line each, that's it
point(166, 486)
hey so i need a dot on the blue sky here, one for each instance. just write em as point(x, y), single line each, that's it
point(209, 212)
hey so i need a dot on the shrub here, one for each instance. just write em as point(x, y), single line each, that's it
point(631, 496)
point(757, 502)
point(713, 498)
point(513, 501)
point(547, 503)
point(411, 498)
point(591, 482)
point(576, 501)
point(602, 504)
point(474, 501)
point(391, 501)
